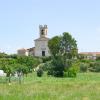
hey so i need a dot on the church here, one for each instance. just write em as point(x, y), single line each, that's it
point(41, 45)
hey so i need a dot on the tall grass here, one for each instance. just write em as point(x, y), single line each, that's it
point(86, 86)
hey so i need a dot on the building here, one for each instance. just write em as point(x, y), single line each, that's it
point(89, 55)
point(41, 44)
point(22, 52)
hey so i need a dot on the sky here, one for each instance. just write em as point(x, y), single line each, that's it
point(20, 20)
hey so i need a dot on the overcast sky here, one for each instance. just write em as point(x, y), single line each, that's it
point(19, 21)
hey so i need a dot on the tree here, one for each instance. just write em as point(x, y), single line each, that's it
point(54, 45)
point(63, 50)
point(28, 61)
point(8, 69)
point(3, 55)
point(19, 69)
point(7, 65)
point(68, 46)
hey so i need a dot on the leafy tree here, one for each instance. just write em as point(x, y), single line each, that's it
point(63, 49)
point(21, 70)
point(9, 70)
point(7, 65)
point(54, 45)
point(64, 45)
point(68, 46)
point(28, 61)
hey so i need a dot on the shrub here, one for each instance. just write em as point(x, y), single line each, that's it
point(73, 69)
point(71, 72)
point(50, 72)
point(86, 61)
point(45, 59)
point(58, 73)
point(39, 72)
point(83, 67)
point(98, 58)
point(46, 66)
point(97, 67)
point(94, 67)
point(58, 66)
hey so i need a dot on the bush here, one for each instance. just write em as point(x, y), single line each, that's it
point(58, 73)
point(46, 59)
point(46, 66)
point(94, 67)
point(39, 72)
point(98, 58)
point(97, 67)
point(58, 66)
point(50, 72)
point(71, 72)
point(73, 69)
point(83, 67)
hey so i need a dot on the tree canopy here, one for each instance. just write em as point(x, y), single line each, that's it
point(64, 45)
point(63, 49)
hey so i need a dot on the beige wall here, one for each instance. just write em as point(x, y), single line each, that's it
point(41, 46)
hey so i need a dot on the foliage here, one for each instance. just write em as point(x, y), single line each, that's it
point(63, 49)
point(94, 67)
point(98, 58)
point(73, 69)
point(86, 61)
point(45, 66)
point(39, 72)
point(46, 59)
point(11, 64)
point(68, 46)
point(9, 70)
point(54, 45)
point(58, 66)
point(29, 61)
point(71, 72)
point(84, 67)
point(3, 55)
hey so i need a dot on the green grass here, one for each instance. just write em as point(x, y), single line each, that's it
point(86, 86)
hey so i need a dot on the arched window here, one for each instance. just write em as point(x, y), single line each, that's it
point(42, 32)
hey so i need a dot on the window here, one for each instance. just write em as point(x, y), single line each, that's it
point(43, 53)
point(42, 32)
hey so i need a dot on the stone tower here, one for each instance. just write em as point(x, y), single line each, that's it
point(43, 30)
point(41, 44)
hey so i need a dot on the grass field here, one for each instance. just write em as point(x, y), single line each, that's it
point(86, 86)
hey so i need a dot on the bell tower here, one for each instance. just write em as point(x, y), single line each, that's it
point(43, 30)
point(41, 44)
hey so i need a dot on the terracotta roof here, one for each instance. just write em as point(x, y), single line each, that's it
point(31, 49)
point(96, 53)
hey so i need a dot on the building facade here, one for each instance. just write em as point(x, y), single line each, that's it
point(89, 55)
point(41, 44)
point(22, 52)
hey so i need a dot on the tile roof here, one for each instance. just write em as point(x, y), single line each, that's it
point(91, 53)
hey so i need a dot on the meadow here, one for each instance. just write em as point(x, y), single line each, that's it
point(86, 86)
